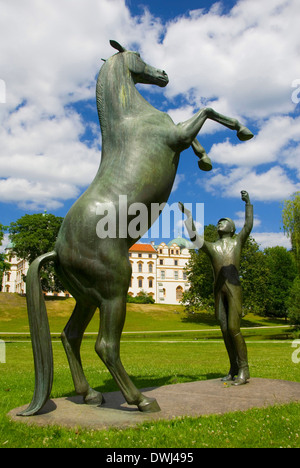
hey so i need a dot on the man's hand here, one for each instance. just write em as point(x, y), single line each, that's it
point(245, 196)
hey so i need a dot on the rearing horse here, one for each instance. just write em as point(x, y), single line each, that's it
point(140, 154)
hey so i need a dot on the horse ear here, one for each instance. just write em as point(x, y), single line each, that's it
point(117, 46)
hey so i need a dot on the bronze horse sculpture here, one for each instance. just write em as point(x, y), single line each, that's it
point(140, 154)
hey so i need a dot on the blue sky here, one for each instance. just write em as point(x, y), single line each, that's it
point(239, 57)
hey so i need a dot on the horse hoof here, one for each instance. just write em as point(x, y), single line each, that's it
point(244, 134)
point(149, 405)
point(205, 164)
point(94, 398)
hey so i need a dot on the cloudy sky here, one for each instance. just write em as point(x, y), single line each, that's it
point(239, 57)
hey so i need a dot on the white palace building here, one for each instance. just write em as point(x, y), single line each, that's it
point(158, 270)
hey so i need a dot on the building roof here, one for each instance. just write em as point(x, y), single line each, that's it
point(181, 242)
point(142, 248)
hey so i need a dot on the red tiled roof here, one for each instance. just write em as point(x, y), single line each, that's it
point(142, 248)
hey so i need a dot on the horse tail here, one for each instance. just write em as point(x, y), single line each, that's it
point(40, 335)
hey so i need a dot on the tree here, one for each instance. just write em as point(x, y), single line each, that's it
point(291, 224)
point(1, 233)
point(293, 303)
point(253, 276)
point(4, 266)
point(281, 274)
point(34, 235)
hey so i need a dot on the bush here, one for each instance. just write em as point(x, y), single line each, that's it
point(142, 298)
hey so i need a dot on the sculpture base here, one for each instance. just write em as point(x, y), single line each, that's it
point(186, 399)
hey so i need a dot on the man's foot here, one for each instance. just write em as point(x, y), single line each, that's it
point(230, 376)
point(242, 377)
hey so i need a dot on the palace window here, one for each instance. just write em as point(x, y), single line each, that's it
point(140, 282)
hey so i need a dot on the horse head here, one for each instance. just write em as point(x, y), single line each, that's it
point(141, 72)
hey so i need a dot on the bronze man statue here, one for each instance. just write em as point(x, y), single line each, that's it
point(225, 256)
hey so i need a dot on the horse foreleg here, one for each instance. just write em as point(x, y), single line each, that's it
point(112, 317)
point(71, 339)
point(204, 162)
point(189, 130)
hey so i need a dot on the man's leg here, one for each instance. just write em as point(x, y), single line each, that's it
point(222, 315)
point(234, 322)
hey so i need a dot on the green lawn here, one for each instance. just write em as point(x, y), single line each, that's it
point(151, 359)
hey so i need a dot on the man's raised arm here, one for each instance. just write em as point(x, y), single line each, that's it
point(197, 240)
point(244, 234)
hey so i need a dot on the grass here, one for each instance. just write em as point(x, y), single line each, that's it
point(150, 362)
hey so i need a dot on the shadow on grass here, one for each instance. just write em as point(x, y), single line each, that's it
point(209, 319)
point(146, 382)
point(200, 317)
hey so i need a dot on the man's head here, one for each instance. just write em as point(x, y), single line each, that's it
point(225, 226)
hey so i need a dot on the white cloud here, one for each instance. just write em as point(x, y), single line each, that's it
point(5, 242)
point(272, 185)
point(267, 146)
point(248, 57)
point(35, 195)
point(178, 179)
point(51, 56)
point(271, 239)
point(239, 220)
point(242, 63)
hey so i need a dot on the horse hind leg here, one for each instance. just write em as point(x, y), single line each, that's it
point(71, 338)
point(112, 317)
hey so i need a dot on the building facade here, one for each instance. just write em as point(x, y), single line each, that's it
point(12, 280)
point(158, 270)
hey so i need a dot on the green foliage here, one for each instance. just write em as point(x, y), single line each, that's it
point(293, 303)
point(291, 224)
point(4, 266)
point(34, 235)
point(1, 233)
point(253, 275)
point(142, 298)
point(281, 274)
